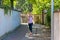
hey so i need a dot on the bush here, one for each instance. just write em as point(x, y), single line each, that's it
point(48, 19)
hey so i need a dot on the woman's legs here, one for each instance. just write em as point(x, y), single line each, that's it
point(30, 27)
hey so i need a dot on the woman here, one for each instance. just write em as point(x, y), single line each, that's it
point(30, 22)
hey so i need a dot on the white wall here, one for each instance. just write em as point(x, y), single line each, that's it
point(8, 22)
point(57, 25)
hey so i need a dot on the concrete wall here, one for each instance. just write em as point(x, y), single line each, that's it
point(57, 25)
point(8, 22)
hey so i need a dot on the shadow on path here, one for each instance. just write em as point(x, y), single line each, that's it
point(20, 33)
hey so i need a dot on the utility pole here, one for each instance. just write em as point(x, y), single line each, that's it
point(52, 19)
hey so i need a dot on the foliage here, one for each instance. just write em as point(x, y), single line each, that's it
point(6, 5)
point(37, 5)
point(56, 4)
point(48, 18)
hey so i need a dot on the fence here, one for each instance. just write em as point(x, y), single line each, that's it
point(37, 18)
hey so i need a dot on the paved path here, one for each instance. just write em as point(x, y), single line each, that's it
point(20, 33)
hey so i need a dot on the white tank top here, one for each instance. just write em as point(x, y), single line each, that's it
point(30, 19)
